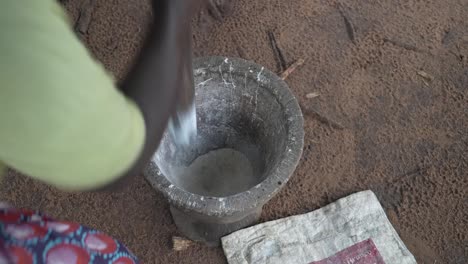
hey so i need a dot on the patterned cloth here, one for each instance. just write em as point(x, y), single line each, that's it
point(28, 237)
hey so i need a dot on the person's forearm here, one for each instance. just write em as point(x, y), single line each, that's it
point(154, 81)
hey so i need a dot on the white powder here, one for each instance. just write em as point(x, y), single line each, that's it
point(184, 130)
point(218, 173)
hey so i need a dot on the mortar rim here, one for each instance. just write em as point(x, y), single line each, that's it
point(261, 193)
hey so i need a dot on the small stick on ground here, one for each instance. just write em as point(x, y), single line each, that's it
point(427, 78)
point(291, 68)
point(348, 25)
point(84, 18)
point(410, 174)
point(279, 57)
point(322, 118)
point(180, 243)
point(214, 10)
point(403, 45)
point(218, 9)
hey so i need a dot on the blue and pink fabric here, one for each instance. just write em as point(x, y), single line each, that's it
point(28, 237)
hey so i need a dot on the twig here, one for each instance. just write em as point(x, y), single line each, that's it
point(180, 243)
point(323, 119)
point(348, 25)
point(403, 45)
point(291, 68)
point(410, 174)
point(214, 10)
point(84, 18)
point(427, 78)
point(279, 57)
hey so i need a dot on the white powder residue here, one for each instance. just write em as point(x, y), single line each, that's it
point(219, 173)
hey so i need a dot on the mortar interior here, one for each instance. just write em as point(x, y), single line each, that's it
point(238, 117)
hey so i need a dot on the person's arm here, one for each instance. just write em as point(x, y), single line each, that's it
point(155, 80)
point(62, 121)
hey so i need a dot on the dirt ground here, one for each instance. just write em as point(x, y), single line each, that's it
point(391, 116)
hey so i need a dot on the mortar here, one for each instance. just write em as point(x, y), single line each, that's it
point(249, 117)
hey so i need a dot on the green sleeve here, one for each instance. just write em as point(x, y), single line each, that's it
point(62, 121)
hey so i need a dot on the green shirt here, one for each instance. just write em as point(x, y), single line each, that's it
point(62, 121)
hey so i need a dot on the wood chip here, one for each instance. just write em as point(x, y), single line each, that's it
point(180, 243)
point(312, 95)
point(426, 75)
point(291, 68)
